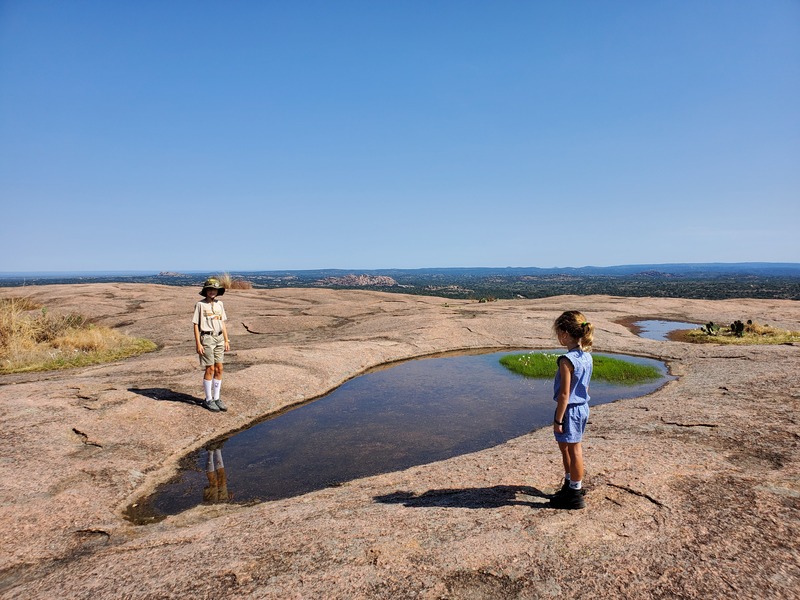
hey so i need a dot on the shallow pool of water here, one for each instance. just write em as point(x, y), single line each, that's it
point(413, 413)
point(659, 330)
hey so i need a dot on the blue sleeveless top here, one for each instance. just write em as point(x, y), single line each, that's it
point(581, 374)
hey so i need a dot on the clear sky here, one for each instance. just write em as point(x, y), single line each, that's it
point(265, 134)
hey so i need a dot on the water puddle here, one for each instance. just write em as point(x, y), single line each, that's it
point(660, 330)
point(413, 413)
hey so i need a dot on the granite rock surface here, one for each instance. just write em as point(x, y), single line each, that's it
point(692, 491)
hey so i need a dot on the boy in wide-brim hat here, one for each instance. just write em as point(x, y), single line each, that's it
point(211, 341)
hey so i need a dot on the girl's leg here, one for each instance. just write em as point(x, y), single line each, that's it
point(575, 453)
point(565, 459)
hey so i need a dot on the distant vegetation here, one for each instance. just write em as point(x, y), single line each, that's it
point(740, 332)
point(700, 281)
point(543, 365)
point(33, 339)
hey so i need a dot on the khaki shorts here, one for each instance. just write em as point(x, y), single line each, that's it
point(214, 348)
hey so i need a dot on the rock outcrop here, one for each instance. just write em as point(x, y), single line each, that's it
point(693, 491)
point(359, 281)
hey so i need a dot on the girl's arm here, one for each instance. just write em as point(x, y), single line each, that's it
point(565, 371)
point(225, 335)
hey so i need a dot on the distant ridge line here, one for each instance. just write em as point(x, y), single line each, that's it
point(761, 268)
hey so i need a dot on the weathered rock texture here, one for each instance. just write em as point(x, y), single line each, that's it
point(693, 491)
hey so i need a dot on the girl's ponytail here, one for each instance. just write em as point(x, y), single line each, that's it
point(575, 324)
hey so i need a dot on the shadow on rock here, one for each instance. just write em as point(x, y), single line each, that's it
point(165, 394)
point(486, 497)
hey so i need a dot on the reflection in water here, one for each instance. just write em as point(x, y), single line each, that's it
point(413, 413)
point(217, 489)
point(659, 330)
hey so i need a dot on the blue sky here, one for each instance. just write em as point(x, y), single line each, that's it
point(258, 135)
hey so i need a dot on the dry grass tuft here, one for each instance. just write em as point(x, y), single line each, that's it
point(33, 339)
point(229, 283)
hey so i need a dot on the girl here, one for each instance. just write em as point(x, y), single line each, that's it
point(571, 393)
point(211, 341)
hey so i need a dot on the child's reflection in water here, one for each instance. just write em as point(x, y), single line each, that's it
point(217, 489)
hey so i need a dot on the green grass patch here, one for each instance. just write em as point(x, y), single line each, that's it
point(543, 365)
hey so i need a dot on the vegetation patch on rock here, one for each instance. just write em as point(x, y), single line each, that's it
point(34, 339)
point(738, 332)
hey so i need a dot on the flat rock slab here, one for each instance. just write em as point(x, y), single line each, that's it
point(693, 491)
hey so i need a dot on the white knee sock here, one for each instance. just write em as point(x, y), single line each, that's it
point(218, 456)
point(210, 462)
point(217, 385)
point(207, 389)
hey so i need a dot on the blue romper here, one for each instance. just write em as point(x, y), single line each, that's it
point(577, 413)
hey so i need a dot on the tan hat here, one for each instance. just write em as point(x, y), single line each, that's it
point(213, 283)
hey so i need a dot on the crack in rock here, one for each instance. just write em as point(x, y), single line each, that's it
point(85, 438)
point(712, 425)
point(625, 488)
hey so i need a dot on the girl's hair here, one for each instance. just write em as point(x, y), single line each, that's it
point(575, 324)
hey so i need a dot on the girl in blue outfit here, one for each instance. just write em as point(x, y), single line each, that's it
point(571, 393)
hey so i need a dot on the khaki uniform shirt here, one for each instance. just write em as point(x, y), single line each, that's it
point(209, 316)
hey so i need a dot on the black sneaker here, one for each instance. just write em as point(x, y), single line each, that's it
point(563, 489)
point(568, 499)
point(211, 405)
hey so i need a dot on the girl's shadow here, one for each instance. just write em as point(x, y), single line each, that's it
point(486, 497)
point(165, 394)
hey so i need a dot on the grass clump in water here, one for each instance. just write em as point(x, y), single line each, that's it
point(34, 339)
point(543, 365)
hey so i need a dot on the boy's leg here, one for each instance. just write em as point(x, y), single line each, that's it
point(208, 389)
point(208, 383)
point(217, 385)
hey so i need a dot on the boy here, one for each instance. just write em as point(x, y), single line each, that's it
point(211, 341)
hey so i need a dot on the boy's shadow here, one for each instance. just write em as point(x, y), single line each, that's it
point(165, 394)
point(486, 497)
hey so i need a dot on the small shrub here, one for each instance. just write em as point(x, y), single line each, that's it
point(229, 283)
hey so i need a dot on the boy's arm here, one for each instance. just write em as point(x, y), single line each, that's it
point(225, 335)
point(565, 370)
point(198, 345)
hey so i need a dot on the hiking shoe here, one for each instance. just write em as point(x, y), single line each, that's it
point(569, 499)
point(563, 489)
point(221, 405)
point(211, 405)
